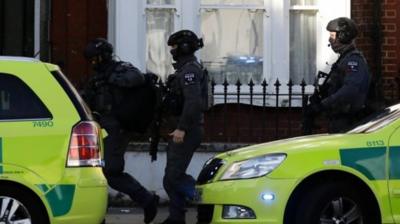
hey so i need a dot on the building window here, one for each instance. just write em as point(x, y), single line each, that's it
point(303, 39)
point(160, 24)
point(234, 52)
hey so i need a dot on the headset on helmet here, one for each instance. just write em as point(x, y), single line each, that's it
point(345, 29)
point(98, 47)
point(186, 40)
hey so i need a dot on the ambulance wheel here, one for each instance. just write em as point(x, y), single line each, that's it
point(20, 206)
point(335, 203)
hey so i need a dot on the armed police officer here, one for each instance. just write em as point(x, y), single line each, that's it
point(184, 103)
point(344, 93)
point(104, 95)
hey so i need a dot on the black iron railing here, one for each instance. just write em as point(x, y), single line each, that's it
point(262, 112)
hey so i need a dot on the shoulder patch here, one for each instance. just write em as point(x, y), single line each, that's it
point(352, 66)
point(189, 78)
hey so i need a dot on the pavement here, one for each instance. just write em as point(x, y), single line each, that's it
point(135, 215)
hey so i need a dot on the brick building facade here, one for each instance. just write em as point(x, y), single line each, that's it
point(379, 22)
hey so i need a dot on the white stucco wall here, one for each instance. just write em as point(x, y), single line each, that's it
point(150, 175)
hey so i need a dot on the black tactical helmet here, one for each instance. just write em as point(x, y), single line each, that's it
point(345, 28)
point(186, 40)
point(98, 47)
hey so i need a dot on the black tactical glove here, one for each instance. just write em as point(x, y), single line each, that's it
point(153, 156)
point(153, 148)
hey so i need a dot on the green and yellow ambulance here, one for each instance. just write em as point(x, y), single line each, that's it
point(50, 149)
point(349, 178)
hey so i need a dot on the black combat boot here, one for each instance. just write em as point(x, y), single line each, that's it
point(150, 211)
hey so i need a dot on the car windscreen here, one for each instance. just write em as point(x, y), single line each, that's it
point(378, 120)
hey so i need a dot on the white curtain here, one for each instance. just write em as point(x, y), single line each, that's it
point(160, 25)
point(303, 37)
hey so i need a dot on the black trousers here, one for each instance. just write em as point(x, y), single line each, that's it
point(179, 185)
point(114, 149)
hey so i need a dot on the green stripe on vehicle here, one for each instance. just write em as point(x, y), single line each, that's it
point(394, 162)
point(1, 156)
point(60, 199)
point(369, 161)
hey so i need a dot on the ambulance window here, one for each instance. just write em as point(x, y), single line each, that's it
point(18, 101)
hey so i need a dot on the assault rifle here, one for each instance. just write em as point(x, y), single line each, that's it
point(312, 102)
point(155, 126)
